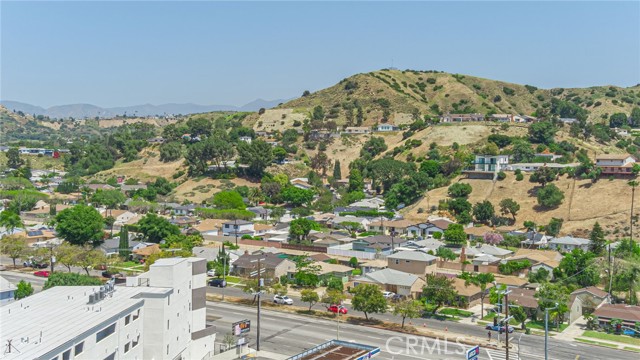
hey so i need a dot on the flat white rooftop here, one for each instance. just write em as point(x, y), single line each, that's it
point(41, 322)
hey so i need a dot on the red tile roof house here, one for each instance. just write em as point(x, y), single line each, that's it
point(629, 314)
point(615, 164)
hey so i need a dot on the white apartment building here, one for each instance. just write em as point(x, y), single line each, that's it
point(160, 314)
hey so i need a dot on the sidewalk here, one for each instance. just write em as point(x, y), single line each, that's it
point(573, 331)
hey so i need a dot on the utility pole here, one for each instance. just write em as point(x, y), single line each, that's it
point(259, 292)
point(224, 271)
point(546, 331)
point(393, 233)
point(506, 325)
point(235, 229)
point(610, 274)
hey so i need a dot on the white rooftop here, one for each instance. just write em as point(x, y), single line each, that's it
point(40, 323)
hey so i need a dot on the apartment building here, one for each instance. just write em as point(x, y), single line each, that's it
point(160, 314)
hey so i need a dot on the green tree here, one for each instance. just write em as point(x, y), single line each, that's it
point(550, 196)
point(306, 271)
point(309, 296)
point(13, 158)
point(455, 235)
point(356, 183)
point(634, 118)
point(90, 258)
point(459, 190)
point(459, 205)
point(123, 246)
point(23, 290)
point(80, 225)
point(70, 279)
point(430, 167)
point(510, 207)
point(483, 211)
point(155, 229)
point(68, 254)
point(408, 309)
point(332, 297)
point(299, 229)
point(519, 315)
point(369, 299)
point(279, 154)
point(554, 226)
point(578, 267)
point(318, 113)
point(222, 263)
point(598, 242)
point(334, 283)
point(542, 132)
point(258, 155)
point(170, 151)
point(445, 253)
point(10, 221)
point(618, 120)
point(439, 290)
point(373, 147)
point(337, 172)
point(550, 294)
point(522, 151)
point(230, 199)
point(544, 175)
point(539, 276)
point(296, 196)
point(481, 280)
point(14, 247)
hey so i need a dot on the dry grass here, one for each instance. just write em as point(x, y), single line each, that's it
point(147, 168)
point(198, 190)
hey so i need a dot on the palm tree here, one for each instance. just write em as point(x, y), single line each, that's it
point(633, 184)
point(10, 221)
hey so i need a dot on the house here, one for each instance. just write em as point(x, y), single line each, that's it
point(548, 155)
point(120, 216)
point(461, 118)
point(532, 239)
point(629, 314)
point(378, 244)
point(399, 227)
point(491, 163)
point(211, 253)
point(96, 187)
point(548, 265)
point(399, 282)
point(131, 188)
point(484, 249)
point(412, 262)
point(261, 229)
point(468, 294)
point(526, 299)
point(529, 167)
point(485, 259)
point(375, 203)
point(328, 271)
point(112, 246)
point(423, 245)
point(477, 232)
point(145, 252)
point(501, 117)
point(260, 212)
point(338, 220)
point(301, 183)
point(569, 243)
point(271, 266)
point(427, 229)
point(568, 121)
point(238, 227)
point(7, 290)
point(386, 127)
point(183, 221)
point(156, 140)
point(246, 139)
point(185, 210)
point(36, 235)
point(585, 301)
point(209, 227)
point(357, 130)
point(615, 164)
point(42, 214)
point(536, 256)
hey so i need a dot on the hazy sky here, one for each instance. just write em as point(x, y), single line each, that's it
point(126, 53)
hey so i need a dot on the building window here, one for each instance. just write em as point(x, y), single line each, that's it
point(100, 335)
point(55, 358)
point(136, 315)
point(127, 319)
point(66, 355)
point(167, 349)
point(167, 324)
point(111, 357)
point(79, 348)
point(397, 261)
point(126, 347)
point(135, 342)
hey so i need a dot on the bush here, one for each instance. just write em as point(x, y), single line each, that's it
point(508, 91)
point(519, 177)
point(502, 175)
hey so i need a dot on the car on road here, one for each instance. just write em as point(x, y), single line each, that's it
point(499, 328)
point(337, 309)
point(2, 268)
point(285, 300)
point(211, 272)
point(43, 273)
point(388, 294)
point(109, 275)
point(218, 283)
point(35, 264)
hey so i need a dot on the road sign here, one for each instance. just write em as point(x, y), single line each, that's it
point(241, 327)
point(473, 353)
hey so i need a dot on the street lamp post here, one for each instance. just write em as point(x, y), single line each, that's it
point(235, 229)
point(258, 293)
point(546, 331)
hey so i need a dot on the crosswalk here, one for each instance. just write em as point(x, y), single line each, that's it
point(500, 355)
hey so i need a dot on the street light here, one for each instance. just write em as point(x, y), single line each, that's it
point(506, 293)
point(546, 331)
point(258, 293)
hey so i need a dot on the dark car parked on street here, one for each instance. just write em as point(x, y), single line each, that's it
point(218, 283)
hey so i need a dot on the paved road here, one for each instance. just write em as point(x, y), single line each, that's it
point(14, 277)
point(287, 331)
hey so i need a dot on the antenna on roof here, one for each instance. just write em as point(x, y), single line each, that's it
point(10, 346)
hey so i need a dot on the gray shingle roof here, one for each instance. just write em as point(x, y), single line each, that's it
point(390, 277)
point(412, 255)
point(568, 240)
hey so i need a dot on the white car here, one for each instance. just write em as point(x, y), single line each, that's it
point(211, 272)
point(285, 300)
point(388, 294)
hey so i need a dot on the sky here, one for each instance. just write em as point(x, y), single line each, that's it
point(205, 52)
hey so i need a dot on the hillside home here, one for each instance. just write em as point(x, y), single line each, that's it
point(615, 164)
point(238, 227)
point(399, 282)
point(378, 244)
point(120, 216)
point(387, 127)
point(375, 203)
point(461, 118)
point(209, 227)
point(156, 140)
point(131, 188)
point(246, 139)
point(569, 243)
point(629, 314)
point(398, 227)
point(548, 155)
point(357, 130)
point(568, 121)
point(477, 232)
point(185, 210)
point(261, 214)
point(412, 262)
point(491, 163)
point(301, 183)
point(548, 265)
point(501, 117)
point(485, 249)
point(585, 301)
point(532, 239)
point(96, 187)
point(530, 167)
point(261, 229)
point(427, 229)
point(336, 222)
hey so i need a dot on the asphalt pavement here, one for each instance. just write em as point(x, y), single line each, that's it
point(290, 334)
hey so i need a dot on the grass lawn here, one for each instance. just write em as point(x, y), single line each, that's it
point(234, 279)
point(611, 337)
point(631, 349)
point(596, 343)
point(489, 316)
point(455, 312)
point(540, 326)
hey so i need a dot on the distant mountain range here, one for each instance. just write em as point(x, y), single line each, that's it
point(79, 111)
